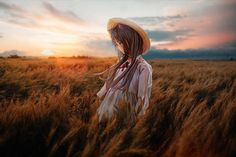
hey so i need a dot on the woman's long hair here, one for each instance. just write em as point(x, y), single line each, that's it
point(132, 46)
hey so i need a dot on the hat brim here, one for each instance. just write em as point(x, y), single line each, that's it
point(146, 41)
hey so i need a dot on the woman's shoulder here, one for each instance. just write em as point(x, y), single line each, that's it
point(144, 65)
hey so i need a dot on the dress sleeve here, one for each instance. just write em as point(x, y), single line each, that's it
point(102, 91)
point(144, 89)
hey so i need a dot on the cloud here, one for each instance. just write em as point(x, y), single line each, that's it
point(155, 19)
point(14, 14)
point(67, 16)
point(215, 18)
point(160, 22)
point(30, 23)
point(163, 29)
point(20, 13)
point(99, 47)
point(12, 11)
point(162, 35)
point(226, 15)
point(209, 26)
point(13, 8)
point(19, 16)
point(91, 44)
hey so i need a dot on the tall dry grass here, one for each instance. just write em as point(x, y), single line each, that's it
point(48, 108)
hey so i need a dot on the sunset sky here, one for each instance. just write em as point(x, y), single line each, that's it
point(78, 27)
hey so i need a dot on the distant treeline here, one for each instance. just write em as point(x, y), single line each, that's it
point(89, 57)
point(216, 53)
point(13, 56)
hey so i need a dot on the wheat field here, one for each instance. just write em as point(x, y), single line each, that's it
point(48, 106)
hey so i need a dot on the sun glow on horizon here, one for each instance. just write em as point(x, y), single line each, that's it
point(48, 52)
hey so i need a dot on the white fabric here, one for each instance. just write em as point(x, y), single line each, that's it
point(139, 91)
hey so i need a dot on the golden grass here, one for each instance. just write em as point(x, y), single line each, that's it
point(48, 106)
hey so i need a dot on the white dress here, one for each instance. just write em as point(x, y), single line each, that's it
point(139, 91)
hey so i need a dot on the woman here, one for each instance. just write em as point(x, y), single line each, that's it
point(130, 79)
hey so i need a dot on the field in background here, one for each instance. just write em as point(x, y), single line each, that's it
point(47, 108)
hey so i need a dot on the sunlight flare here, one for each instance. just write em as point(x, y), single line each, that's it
point(48, 52)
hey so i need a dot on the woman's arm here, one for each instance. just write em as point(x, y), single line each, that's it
point(144, 89)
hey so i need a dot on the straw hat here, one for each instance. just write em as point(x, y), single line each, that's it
point(146, 41)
